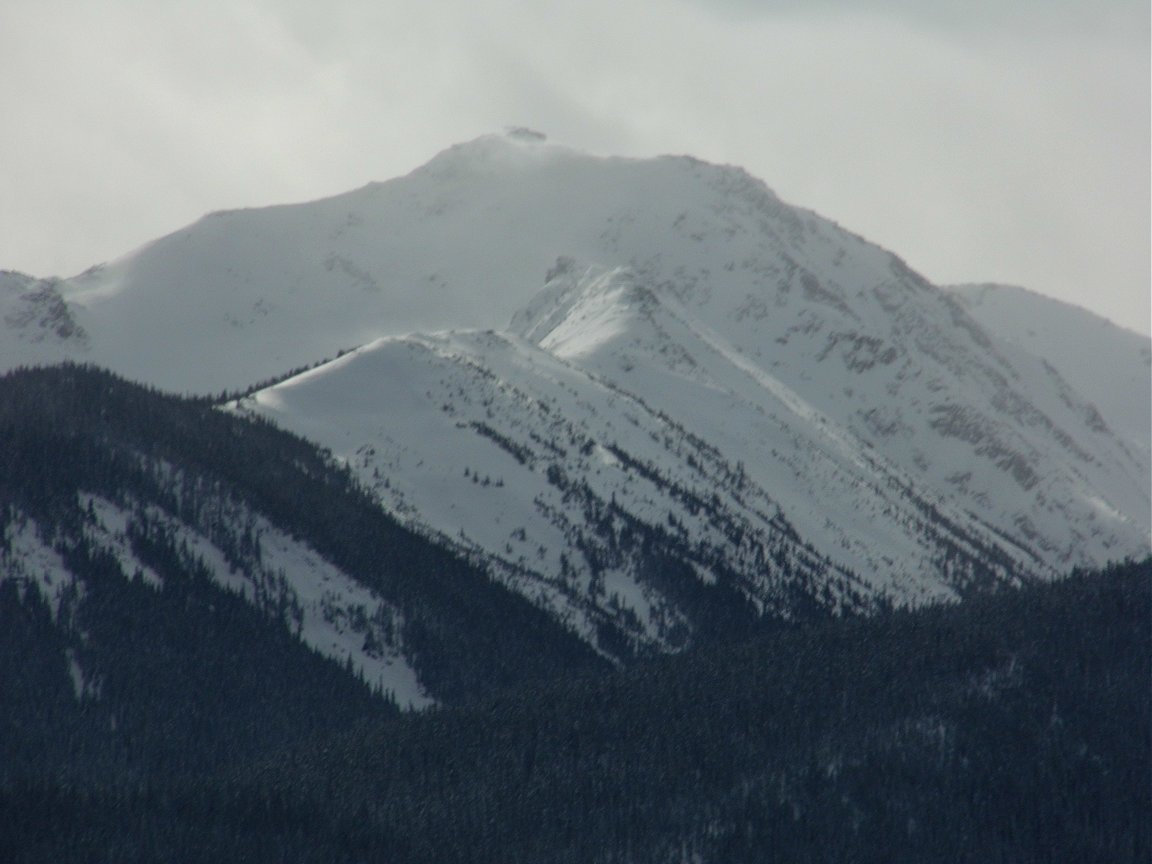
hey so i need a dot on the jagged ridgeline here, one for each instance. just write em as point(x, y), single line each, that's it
point(116, 499)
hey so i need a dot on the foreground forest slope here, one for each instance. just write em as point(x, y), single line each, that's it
point(115, 498)
point(1008, 728)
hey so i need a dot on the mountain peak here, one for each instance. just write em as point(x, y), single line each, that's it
point(523, 133)
point(516, 148)
point(630, 354)
point(582, 306)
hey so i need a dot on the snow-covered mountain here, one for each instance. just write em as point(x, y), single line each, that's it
point(1109, 364)
point(618, 383)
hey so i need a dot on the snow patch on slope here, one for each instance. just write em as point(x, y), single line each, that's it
point(328, 610)
point(31, 561)
point(325, 608)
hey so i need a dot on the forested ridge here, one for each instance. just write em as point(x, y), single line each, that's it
point(1008, 728)
point(71, 429)
point(1014, 726)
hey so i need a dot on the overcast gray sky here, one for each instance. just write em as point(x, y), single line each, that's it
point(980, 140)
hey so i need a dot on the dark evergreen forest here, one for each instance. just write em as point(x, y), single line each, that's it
point(1013, 727)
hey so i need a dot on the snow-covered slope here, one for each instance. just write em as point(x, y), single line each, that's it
point(569, 361)
point(612, 402)
point(37, 326)
point(1110, 366)
point(967, 421)
point(569, 489)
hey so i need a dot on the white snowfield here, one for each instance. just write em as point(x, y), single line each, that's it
point(553, 353)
